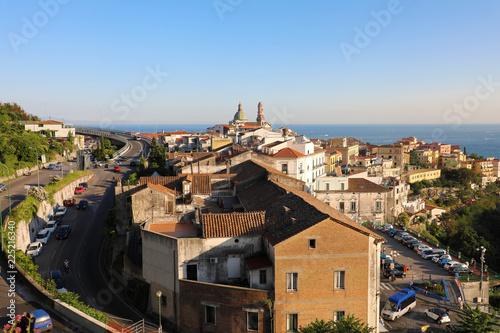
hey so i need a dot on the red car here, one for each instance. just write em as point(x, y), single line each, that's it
point(117, 168)
point(79, 189)
point(69, 202)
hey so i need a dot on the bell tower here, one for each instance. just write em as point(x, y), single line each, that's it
point(260, 115)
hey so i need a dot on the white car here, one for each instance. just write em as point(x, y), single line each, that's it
point(423, 248)
point(455, 264)
point(444, 256)
point(51, 225)
point(43, 236)
point(449, 263)
point(34, 249)
point(60, 212)
point(438, 315)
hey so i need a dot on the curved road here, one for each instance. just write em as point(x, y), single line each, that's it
point(83, 247)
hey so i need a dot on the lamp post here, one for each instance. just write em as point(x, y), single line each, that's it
point(37, 168)
point(62, 165)
point(10, 209)
point(483, 250)
point(158, 293)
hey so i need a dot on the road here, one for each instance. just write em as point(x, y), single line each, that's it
point(420, 269)
point(83, 246)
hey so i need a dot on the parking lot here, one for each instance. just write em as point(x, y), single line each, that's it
point(418, 269)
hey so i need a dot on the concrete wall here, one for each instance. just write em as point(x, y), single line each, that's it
point(231, 307)
point(199, 251)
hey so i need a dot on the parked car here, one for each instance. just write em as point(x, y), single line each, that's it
point(443, 262)
point(434, 253)
point(84, 184)
point(34, 249)
point(117, 168)
point(438, 315)
point(450, 263)
point(134, 163)
point(396, 272)
point(421, 249)
point(397, 266)
point(407, 239)
point(79, 190)
point(400, 235)
point(460, 271)
point(82, 205)
point(51, 166)
point(412, 244)
point(63, 232)
point(2, 187)
point(444, 256)
point(69, 202)
point(60, 212)
point(43, 236)
point(51, 226)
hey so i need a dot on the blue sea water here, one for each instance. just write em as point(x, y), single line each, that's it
point(482, 139)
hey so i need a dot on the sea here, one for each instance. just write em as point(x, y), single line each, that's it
point(482, 139)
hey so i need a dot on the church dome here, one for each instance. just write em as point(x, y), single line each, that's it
point(240, 115)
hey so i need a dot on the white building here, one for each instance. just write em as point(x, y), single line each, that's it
point(51, 128)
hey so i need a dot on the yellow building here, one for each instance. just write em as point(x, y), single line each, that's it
point(483, 167)
point(422, 174)
point(395, 152)
point(333, 159)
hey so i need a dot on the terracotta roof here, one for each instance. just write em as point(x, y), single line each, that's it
point(54, 122)
point(200, 183)
point(289, 211)
point(233, 224)
point(177, 230)
point(175, 133)
point(258, 262)
point(288, 152)
point(364, 185)
point(161, 188)
point(150, 135)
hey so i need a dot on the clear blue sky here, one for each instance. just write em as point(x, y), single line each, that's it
point(307, 61)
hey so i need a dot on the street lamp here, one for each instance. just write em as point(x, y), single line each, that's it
point(10, 210)
point(37, 168)
point(158, 293)
point(483, 250)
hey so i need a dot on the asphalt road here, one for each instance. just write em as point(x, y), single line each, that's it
point(82, 248)
point(420, 269)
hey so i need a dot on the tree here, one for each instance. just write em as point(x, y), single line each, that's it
point(404, 219)
point(475, 321)
point(348, 324)
point(475, 156)
point(156, 158)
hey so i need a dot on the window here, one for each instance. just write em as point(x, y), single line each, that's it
point(163, 300)
point(291, 281)
point(263, 276)
point(353, 207)
point(284, 168)
point(192, 272)
point(292, 322)
point(252, 321)
point(340, 280)
point(338, 315)
point(342, 186)
point(327, 186)
point(378, 206)
point(210, 314)
point(341, 206)
point(312, 243)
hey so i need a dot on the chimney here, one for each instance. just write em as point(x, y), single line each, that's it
point(228, 162)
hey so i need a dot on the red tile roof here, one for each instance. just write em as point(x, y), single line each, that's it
point(175, 133)
point(162, 188)
point(287, 153)
point(45, 122)
point(177, 230)
point(233, 224)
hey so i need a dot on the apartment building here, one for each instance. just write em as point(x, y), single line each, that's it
point(51, 128)
point(222, 272)
point(421, 174)
point(394, 152)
